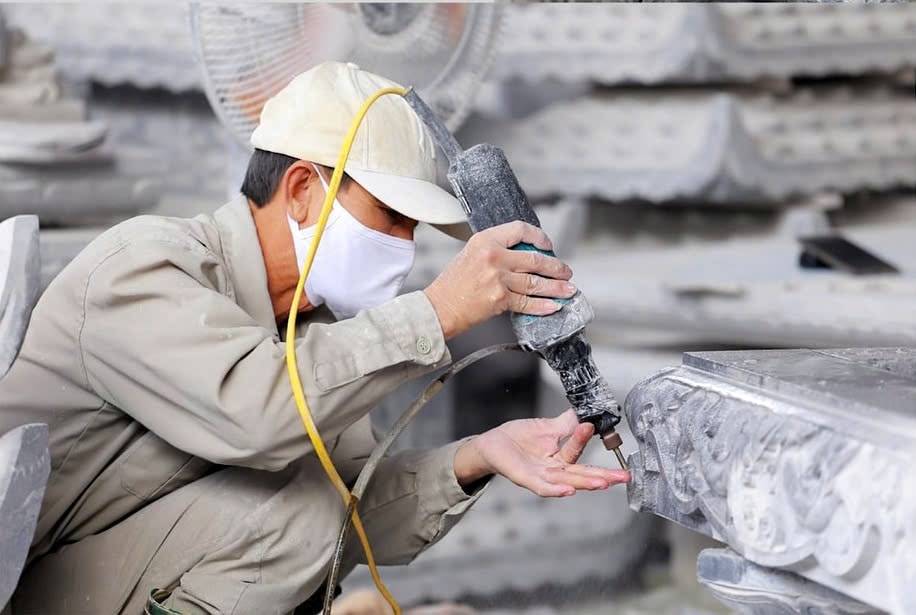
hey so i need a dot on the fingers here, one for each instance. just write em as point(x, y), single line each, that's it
point(535, 306)
point(559, 476)
point(613, 477)
point(572, 449)
point(585, 478)
point(547, 489)
point(518, 232)
point(527, 261)
point(533, 285)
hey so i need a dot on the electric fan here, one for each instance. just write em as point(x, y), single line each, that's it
point(249, 52)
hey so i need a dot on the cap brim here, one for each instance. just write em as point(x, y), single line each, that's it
point(417, 199)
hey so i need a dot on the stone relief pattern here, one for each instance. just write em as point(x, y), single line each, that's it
point(778, 489)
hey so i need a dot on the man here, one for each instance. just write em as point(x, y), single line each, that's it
point(156, 357)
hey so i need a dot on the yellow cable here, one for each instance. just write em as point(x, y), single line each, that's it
point(291, 364)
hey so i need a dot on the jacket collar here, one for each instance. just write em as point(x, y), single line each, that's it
point(244, 261)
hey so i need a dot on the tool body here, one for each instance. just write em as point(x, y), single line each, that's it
point(491, 195)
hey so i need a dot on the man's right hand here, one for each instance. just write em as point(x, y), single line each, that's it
point(488, 278)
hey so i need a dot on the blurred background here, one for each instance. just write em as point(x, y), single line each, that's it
point(681, 156)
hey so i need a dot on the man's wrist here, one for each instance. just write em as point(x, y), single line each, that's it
point(446, 317)
point(470, 466)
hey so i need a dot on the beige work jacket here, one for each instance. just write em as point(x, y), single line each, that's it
point(154, 358)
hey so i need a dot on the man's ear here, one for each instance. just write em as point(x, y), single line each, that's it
point(302, 192)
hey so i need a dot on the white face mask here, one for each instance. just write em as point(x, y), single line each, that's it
point(356, 267)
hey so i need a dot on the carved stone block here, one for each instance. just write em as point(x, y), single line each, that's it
point(740, 149)
point(797, 459)
point(750, 589)
point(20, 270)
point(651, 43)
point(24, 467)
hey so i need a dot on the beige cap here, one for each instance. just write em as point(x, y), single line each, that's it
point(393, 156)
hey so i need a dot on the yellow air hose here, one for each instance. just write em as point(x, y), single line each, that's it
point(292, 366)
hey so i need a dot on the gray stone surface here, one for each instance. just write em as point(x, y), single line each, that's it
point(651, 44)
point(81, 192)
point(55, 163)
point(24, 467)
point(151, 47)
point(49, 142)
point(796, 459)
point(749, 290)
point(29, 76)
point(710, 147)
point(20, 268)
point(4, 43)
point(180, 131)
point(750, 589)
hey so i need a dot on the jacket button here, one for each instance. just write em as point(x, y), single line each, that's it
point(423, 345)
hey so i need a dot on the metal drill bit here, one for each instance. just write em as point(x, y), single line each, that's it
point(613, 442)
point(621, 459)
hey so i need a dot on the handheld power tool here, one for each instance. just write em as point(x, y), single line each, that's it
point(491, 195)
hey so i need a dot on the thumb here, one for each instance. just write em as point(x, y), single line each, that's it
point(566, 423)
point(573, 447)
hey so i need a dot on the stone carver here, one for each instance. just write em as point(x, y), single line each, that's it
point(178, 459)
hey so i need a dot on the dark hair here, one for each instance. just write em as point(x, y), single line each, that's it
point(265, 170)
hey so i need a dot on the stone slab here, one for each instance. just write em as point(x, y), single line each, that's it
point(24, 467)
point(859, 386)
point(751, 291)
point(731, 146)
point(798, 460)
point(48, 142)
point(750, 589)
point(652, 44)
point(80, 192)
point(20, 266)
point(65, 110)
point(151, 47)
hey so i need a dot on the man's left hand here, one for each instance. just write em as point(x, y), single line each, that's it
point(532, 454)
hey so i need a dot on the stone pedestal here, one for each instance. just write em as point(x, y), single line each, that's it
point(797, 459)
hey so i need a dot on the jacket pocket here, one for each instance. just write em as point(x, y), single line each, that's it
point(152, 468)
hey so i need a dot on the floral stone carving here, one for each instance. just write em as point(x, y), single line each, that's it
point(797, 459)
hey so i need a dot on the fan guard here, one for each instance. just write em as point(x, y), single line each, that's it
point(249, 52)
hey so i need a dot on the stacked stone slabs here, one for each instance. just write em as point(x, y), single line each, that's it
point(151, 47)
point(728, 148)
point(796, 459)
point(701, 43)
point(57, 164)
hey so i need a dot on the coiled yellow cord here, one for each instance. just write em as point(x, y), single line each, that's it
point(291, 364)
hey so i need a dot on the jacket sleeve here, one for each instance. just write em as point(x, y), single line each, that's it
point(163, 340)
point(412, 501)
